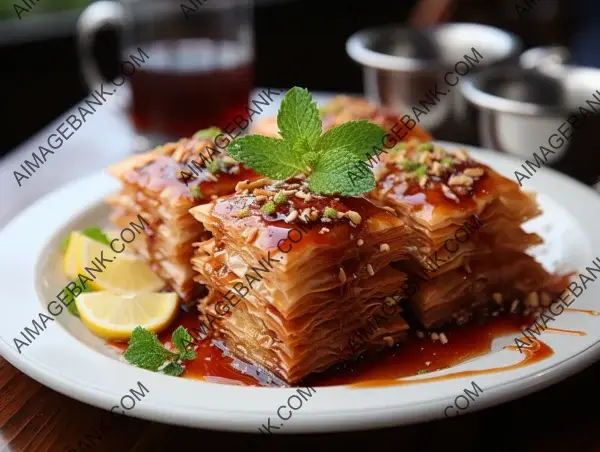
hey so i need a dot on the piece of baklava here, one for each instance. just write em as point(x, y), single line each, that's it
point(293, 275)
point(162, 185)
point(465, 223)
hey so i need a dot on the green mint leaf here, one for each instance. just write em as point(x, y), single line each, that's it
point(211, 132)
point(146, 351)
point(173, 369)
point(340, 172)
point(298, 120)
point(96, 234)
point(188, 355)
point(359, 138)
point(70, 300)
point(269, 156)
point(182, 339)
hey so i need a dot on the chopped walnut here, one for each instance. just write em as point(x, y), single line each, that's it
point(353, 216)
point(370, 270)
point(473, 172)
point(436, 169)
point(292, 216)
point(449, 194)
point(460, 179)
point(461, 155)
point(247, 185)
point(384, 247)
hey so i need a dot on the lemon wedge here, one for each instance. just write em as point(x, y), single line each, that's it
point(116, 272)
point(114, 316)
point(72, 258)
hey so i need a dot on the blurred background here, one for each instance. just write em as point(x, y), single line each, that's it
point(296, 42)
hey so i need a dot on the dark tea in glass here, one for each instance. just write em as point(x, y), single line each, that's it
point(189, 85)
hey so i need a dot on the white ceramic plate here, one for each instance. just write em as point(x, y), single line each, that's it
point(69, 359)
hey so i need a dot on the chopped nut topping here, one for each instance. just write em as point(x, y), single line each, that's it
point(246, 185)
point(269, 208)
point(292, 216)
point(330, 212)
point(342, 275)
point(420, 334)
point(434, 337)
point(443, 339)
point(513, 306)
point(497, 297)
point(360, 242)
point(261, 198)
point(460, 179)
point(436, 169)
point(473, 172)
point(261, 192)
point(353, 216)
point(449, 194)
point(289, 192)
point(532, 300)
point(428, 363)
point(280, 198)
point(384, 247)
point(389, 340)
point(305, 215)
point(461, 155)
point(323, 230)
point(545, 299)
point(243, 213)
point(370, 270)
point(302, 195)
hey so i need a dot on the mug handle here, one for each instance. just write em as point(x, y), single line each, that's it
point(94, 17)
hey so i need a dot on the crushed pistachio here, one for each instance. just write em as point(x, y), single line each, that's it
point(399, 147)
point(243, 213)
point(213, 166)
point(425, 147)
point(269, 208)
point(280, 198)
point(330, 212)
point(421, 170)
point(407, 165)
point(197, 192)
point(447, 162)
point(421, 371)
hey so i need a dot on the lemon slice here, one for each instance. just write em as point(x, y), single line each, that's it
point(72, 258)
point(114, 316)
point(120, 273)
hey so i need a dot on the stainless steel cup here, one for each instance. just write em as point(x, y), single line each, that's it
point(402, 64)
point(519, 110)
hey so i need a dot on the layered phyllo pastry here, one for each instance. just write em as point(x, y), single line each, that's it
point(466, 239)
point(163, 185)
point(342, 109)
point(292, 275)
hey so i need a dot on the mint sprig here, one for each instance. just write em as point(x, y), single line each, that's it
point(327, 160)
point(147, 352)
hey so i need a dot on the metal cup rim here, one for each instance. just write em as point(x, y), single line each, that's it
point(472, 91)
point(357, 46)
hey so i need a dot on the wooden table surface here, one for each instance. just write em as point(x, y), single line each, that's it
point(559, 418)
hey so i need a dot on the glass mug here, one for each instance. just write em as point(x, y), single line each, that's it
point(198, 70)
